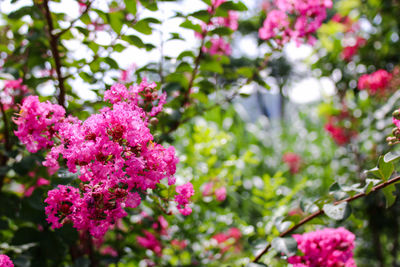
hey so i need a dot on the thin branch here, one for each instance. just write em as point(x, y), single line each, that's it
point(58, 35)
point(54, 50)
point(320, 212)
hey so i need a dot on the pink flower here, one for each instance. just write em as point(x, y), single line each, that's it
point(328, 247)
point(276, 24)
point(293, 161)
point(149, 241)
point(231, 21)
point(340, 135)
point(183, 198)
point(294, 20)
point(37, 123)
point(5, 261)
point(12, 89)
point(207, 189)
point(179, 244)
point(220, 193)
point(109, 251)
point(349, 51)
point(218, 47)
point(113, 150)
point(375, 82)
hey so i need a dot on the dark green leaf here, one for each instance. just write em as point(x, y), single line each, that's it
point(337, 212)
point(134, 40)
point(285, 245)
point(130, 6)
point(390, 196)
point(391, 156)
point(191, 26)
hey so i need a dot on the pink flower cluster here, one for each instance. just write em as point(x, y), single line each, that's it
point(37, 123)
point(112, 151)
point(152, 240)
point(328, 247)
point(352, 41)
point(234, 234)
point(5, 261)
point(12, 89)
point(335, 126)
point(183, 198)
point(218, 45)
point(340, 135)
point(294, 20)
point(209, 189)
point(349, 51)
point(376, 82)
point(149, 241)
point(293, 161)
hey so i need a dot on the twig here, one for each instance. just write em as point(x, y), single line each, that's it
point(320, 212)
point(58, 35)
point(54, 50)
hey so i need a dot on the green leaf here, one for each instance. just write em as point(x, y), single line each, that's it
point(212, 66)
point(134, 40)
point(389, 157)
point(150, 4)
point(386, 168)
point(337, 212)
point(116, 21)
point(233, 6)
point(185, 54)
point(222, 31)
point(285, 245)
point(111, 62)
point(390, 196)
point(130, 6)
point(187, 24)
point(370, 183)
point(143, 26)
point(183, 67)
point(201, 15)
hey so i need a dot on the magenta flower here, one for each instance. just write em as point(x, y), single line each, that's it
point(328, 247)
point(375, 82)
point(5, 261)
point(220, 193)
point(183, 198)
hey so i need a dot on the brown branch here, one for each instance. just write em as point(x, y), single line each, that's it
point(320, 212)
point(54, 50)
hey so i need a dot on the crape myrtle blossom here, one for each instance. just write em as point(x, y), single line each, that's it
point(338, 127)
point(376, 82)
point(229, 239)
point(10, 90)
point(328, 247)
point(183, 198)
point(149, 241)
point(294, 20)
point(218, 46)
point(112, 151)
point(5, 261)
point(293, 161)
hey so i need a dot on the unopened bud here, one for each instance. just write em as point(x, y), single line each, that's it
point(154, 121)
point(396, 114)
